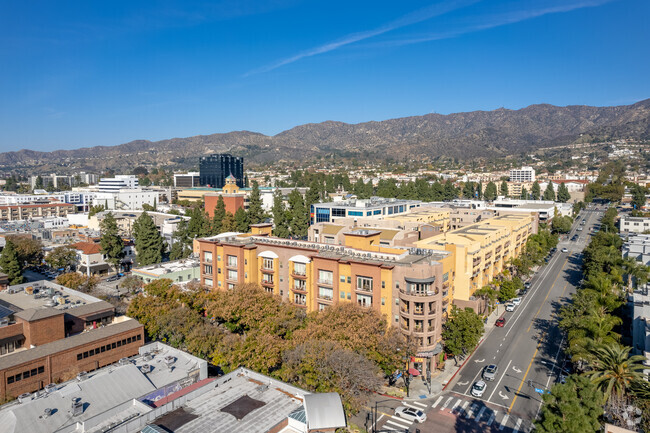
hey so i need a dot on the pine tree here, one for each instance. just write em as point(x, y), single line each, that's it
point(255, 210)
point(468, 190)
point(450, 191)
point(490, 193)
point(228, 223)
point(535, 191)
point(181, 247)
point(479, 191)
point(299, 219)
point(10, 265)
point(504, 188)
point(149, 244)
point(39, 182)
point(563, 194)
point(198, 224)
point(313, 194)
point(549, 193)
point(281, 228)
point(219, 215)
point(111, 243)
point(241, 221)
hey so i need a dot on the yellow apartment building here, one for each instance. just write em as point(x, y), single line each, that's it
point(481, 250)
point(412, 288)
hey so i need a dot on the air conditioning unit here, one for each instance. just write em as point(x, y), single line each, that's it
point(145, 368)
point(77, 407)
point(82, 376)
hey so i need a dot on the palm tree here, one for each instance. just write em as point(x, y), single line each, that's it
point(635, 271)
point(614, 371)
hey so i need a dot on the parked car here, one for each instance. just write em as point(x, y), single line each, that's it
point(579, 229)
point(564, 250)
point(478, 388)
point(510, 307)
point(410, 414)
point(112, 278)
point(490, 372)
point(516, 301)
point(527, 285)
point(500, 323)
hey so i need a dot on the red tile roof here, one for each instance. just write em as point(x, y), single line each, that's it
point(87, 247)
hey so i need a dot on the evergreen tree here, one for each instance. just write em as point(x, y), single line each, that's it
point(228, 223)
point(39, 182)
point(313, 194)
point(638, 196)
point(535, 191)
point(504, 188)
point(111, 242)
point(297, 215)
point(280, 222)
point(255, 210)
point(149, 244)
point(198, 224)
point(10, 264)
point(218, 217)
point(468, 190)
point(549, 193)
point(181, 247)
point(490, 193)
point(563, 194)
point(437, 192)
point(479, 191)
point(241, 221)
point(450, 192)
point(524, 193)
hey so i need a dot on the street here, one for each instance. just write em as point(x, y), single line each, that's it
point(526, 351)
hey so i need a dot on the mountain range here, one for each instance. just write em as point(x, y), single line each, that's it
point(466, 135)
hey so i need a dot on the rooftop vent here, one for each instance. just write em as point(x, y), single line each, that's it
point(145, 368)
point(77, 407)
point(24, 397)
point(82, 376)
point(169, 361)
point(50, 388)
point(124, 361)
point(46, 413)
point(147, 356)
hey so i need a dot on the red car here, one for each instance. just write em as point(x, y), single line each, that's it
point(500, 322)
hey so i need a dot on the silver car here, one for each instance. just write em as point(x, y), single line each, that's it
point(411, 414)
point(478, 389)
point(490, 372)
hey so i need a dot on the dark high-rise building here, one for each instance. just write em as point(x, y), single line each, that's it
point(215, 168)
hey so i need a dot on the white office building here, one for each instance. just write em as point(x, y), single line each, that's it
point(523, 174)
point(114, 184)
point(126, 199)
point(634, 224)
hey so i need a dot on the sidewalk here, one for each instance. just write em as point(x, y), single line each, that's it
point(418, 389)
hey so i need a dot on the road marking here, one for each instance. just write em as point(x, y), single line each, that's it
point(463, 383)
point(437, 402)
point(462, 409)
point(423, 406)
point(492, 417)
point(499, 381)
point(516, 369)
point(480, 414)
point(393, 420)
point(517, 425)
point(527, 370)
point(500, 344)
point(503, 396)
point(471, 410)
point(479, 360)
point(444, 406)
point(453, 408)
point(503, 422)
point(411, 405)
point(549, 292)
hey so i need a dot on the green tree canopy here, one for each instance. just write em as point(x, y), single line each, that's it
point(149, 244)
point(61, 257)
point(462, 331)
point(255, 210)
point(297, 215)
point(490, 193)
point(10, 264)
point(573, 407)
point(549, 192)
point(241, 221)
point(280, 220)
point(563, 194)
point(111, 242)
point(504, 188)
point(535, 191)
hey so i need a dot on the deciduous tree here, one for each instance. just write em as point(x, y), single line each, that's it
point(462, 331)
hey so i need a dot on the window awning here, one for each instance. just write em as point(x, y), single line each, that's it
point(268, 255)
point(300, 259)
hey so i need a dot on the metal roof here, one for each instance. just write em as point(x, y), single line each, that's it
point(324, 411)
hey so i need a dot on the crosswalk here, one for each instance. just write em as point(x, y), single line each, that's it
point(469, 410)
point(397, 424)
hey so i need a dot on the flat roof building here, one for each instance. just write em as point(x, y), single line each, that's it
point(372, 207)
point(523, 174)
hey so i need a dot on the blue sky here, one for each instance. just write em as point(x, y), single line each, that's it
point(86, 73)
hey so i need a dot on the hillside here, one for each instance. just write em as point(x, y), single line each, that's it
point(463, 135)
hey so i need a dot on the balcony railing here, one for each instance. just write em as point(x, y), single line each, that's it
point(366, 289)
point(327, 283)
point(295, 274)
point(419, 293)
point(325, 297)
point(419, 312)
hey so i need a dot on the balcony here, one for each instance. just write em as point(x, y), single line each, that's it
point(300, 289)
point(299, 275)
point(404, 310)
point(445, 293)
point(267, 270)
point(366, 289)
point(419, 293)
point(327, 298)
point(418, 312)
point(326, 282)
point(267, 283)
point(488, 255)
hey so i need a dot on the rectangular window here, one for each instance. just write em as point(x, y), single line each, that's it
point(349, 295)
point(113, 345)
point(300, 269)
point(326, 293)
point(338, 212)
point(207, 256)
point(349, 280)
point(364, 283)
point(103, 349)
point(79, 356)
point(267, 264)
point(124, 342)
point(33, 372)
point(355, 213)
point(10, 379)
point(207, 269)
point(267, 278)
point(232, 275)
point(85, 355)
point(19, 377)
point(119, 344)
point(364, 300)
point(343, 278)
point(232, 261)
point(300, 284)
point(342, 295)
point(383, 284)
point(383, 301)
point(139, 337)
point(218, 258)
point(25, 374)
point(325, 277)
point(208, 282)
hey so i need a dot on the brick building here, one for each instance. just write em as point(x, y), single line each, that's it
point(52, 333)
